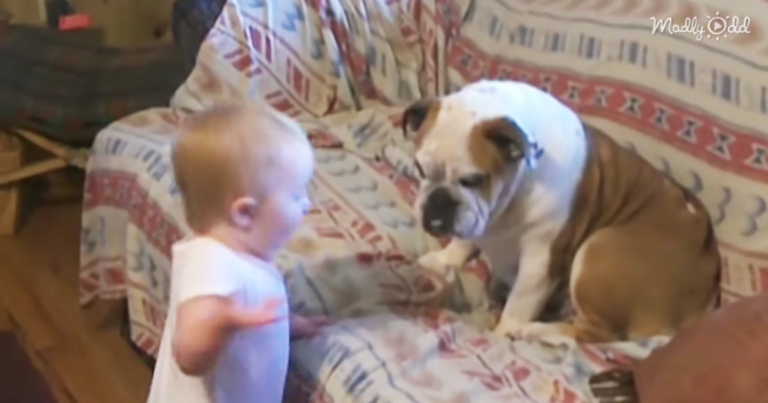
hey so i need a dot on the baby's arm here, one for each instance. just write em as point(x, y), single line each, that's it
point(203, 325)
point(207, 284)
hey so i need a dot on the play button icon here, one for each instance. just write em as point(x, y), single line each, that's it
point(716, 25)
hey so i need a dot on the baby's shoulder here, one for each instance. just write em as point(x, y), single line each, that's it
point(199, 251)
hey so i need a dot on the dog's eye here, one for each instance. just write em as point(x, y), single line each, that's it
point(472, 181)
point(419, 169)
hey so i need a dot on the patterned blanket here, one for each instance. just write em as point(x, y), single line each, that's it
point(344, 69)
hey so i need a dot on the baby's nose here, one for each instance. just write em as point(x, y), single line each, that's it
point(307, 205)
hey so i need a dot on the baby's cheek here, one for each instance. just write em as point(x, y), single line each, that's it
point(297, 214)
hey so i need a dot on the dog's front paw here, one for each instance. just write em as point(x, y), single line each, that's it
point(541, 330)
point(440, 262)
point(533, 330)
point(509, 328)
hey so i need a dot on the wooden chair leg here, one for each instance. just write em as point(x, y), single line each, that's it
point(65, 156)
point(32, 170)
point(12, 170)
point(73, 156)
point(10, 195)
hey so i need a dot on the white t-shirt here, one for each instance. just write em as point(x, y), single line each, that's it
point(253, 365)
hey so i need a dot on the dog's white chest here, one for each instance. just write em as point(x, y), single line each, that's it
point(542, 204)
point(503, 253)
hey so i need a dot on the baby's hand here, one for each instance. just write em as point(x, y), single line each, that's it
point(304, 327)
point(265, 314)
point(203, 325)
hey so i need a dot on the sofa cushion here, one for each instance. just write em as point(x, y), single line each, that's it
point(721, 359)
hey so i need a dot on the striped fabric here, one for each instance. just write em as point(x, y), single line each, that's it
point(345, 68)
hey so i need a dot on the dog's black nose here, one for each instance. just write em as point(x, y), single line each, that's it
point(439, 212)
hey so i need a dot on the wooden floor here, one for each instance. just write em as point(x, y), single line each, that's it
point(79, 351)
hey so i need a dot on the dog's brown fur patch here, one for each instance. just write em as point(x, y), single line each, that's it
point(483, 153)
point(642, 246)
point(430, 107)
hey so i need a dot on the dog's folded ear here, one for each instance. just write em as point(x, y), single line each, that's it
point(507, 137)
point(416, 114)
point(512, 143)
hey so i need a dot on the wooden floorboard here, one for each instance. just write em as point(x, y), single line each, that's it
point(5, 321)
point(81, 350)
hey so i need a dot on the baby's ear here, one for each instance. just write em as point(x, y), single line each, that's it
point(243, 211)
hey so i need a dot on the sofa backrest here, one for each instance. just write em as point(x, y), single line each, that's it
point(308, 58)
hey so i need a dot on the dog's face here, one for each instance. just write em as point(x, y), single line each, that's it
point(468, 155)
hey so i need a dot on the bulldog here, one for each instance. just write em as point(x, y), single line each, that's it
point(509, 170)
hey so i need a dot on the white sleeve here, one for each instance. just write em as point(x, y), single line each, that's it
point(204, 272)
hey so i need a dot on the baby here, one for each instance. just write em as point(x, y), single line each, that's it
point(243, 172)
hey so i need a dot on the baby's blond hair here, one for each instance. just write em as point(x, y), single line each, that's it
point(230, 151)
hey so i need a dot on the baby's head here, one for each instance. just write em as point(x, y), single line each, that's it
point(243, 172)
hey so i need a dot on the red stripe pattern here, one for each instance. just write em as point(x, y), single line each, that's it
point(706, 137)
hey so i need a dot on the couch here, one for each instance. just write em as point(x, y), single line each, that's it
point(696, 109)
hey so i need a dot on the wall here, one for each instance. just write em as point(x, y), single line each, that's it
point(126, 23)
point(24, 11)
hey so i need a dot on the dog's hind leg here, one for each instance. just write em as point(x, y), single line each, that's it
point(636, 281)
point(580, 330)
point(586, 327)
